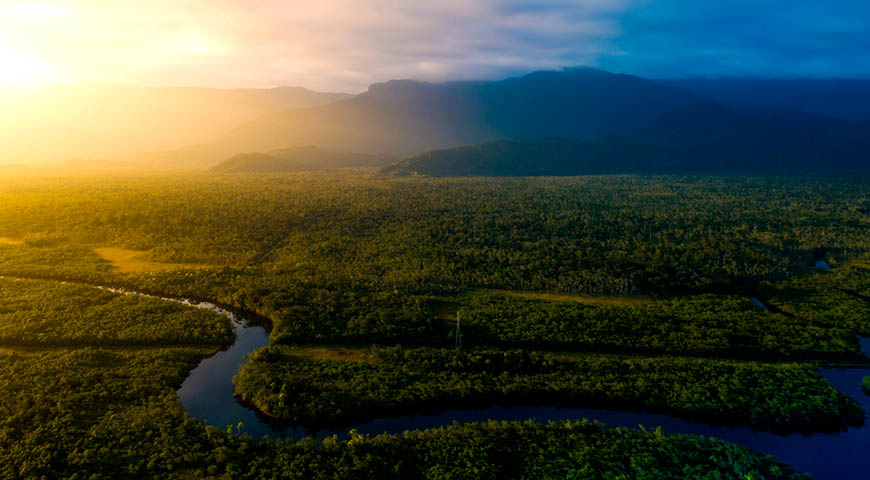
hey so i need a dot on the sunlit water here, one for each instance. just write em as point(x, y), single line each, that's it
point(207, 394)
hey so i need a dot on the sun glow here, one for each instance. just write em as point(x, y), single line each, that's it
point(25, 30)
point(22, 70)
point(69, 41)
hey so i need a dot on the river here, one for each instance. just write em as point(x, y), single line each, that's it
point(207, 394)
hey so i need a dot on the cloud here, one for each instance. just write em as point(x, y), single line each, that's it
point(339, 44)
point(354, 43)
point(348, 44)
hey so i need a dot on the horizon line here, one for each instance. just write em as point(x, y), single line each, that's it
point(100, 83)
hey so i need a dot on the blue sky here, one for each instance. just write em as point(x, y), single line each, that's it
point(743, 37)
point(348, 44)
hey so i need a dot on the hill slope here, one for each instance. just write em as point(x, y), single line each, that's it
point(702, 139)
point(115, 122)
point(844, 98)
point(764, 140)
point(298, 159)
point(553, 156)
point(403, 117)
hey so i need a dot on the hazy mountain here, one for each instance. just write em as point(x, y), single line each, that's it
point(773, 139)
point(847, 99)
point(298, 159)
point(403, 117)
point(703, 138)
point(109, 122)
point(11, 167)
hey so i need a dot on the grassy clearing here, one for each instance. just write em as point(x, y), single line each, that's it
point(596, 300)
point(319, 354)
point(131, 261)
point(446, 307)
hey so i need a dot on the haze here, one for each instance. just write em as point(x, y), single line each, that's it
point(347, 45)
point(344, 46)
point(434, 239)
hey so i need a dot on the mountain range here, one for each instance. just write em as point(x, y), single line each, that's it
point(112, 123)
point(620, 114)
point(704, 137)
point(845, 98)
point(756, 125)
point(405, 117)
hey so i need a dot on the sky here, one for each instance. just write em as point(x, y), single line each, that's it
point(345, 45)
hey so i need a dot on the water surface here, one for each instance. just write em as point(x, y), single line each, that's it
point(758, 303)
point(822, 264)
point(207, 394)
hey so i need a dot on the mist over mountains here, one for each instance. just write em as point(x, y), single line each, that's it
point(405, 117)
point(704, 138)
point(846, 98)
point(114, 122)
point(744, 124)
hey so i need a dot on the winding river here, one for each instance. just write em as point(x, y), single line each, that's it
point(207, 394)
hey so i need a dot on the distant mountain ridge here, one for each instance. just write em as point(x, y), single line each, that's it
point(773, 139)
point(702, 139)
point(842, 98)
point(117, 122)
point(405, 117)
point(298, 159)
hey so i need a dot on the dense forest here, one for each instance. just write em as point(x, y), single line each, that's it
point(98, 410)
point(722, 325)
point(624, 291)
point(46, 313)
point(317, 389)
point(596, 235)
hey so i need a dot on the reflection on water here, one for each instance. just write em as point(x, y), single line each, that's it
point(823, 265)
point(826, 456)
point(207, 394)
